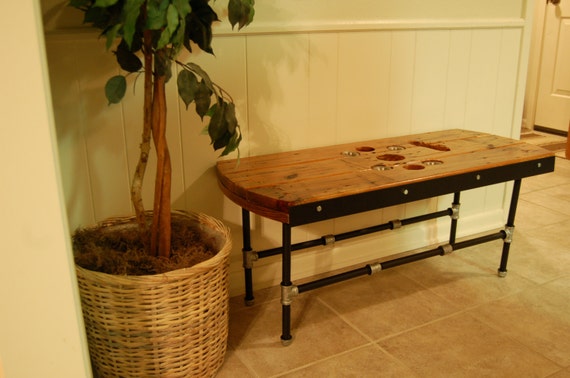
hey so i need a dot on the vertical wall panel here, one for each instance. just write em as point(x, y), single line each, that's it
point(364, 82)
point(402, 68)
point(508, 72)
point(482, 85)
point(322, 128)
point(69, 126)
point(430, 80)
point(103, 133)
point(457, 78)
point(278, 92)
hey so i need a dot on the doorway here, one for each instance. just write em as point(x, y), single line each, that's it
point(547, 102)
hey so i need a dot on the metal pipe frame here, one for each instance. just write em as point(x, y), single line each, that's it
point(352, 234)
point(249, 299)
point(510, 226)
point(288, 290)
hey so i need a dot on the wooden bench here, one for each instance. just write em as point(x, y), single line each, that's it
point(311, 185)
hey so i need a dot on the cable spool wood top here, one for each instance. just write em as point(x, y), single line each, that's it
point(343, 175)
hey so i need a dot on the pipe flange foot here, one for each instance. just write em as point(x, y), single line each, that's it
point(286, 342)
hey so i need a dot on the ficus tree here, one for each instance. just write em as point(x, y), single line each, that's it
point(149, 36)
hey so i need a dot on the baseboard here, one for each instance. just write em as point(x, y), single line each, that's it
point(377, 247)
point(549, 130)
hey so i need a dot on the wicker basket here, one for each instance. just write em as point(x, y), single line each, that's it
point(165, 325)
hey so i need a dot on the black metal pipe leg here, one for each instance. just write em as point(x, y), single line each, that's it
point(248, 275)
point(509, 228)
point(454, 217)
point(286, 337)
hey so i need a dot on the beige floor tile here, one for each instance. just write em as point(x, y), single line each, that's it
point(462, 346)
point(368, 361)
point(468, 277)
point(531, 215)
point(555, 234)
point(538, 318)
point(385, 304)
point(533, 259)
point(233, 367)
point(560, 286)
point(556, 198)
point(549, 180)
point(561, 374)
point(318, 333)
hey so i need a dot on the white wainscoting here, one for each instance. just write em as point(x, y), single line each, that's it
point(299, 85)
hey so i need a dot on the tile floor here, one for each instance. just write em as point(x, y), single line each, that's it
point(441, 317)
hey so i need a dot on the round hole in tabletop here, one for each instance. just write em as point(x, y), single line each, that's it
point(390, 157)
point(432, 162)
point(414, 167)
point(365, 149)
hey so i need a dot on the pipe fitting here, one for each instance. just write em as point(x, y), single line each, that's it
point(455, 211)
point(288, 293)
point(249, 257)
point(446, 249)
point(509, 232)
point(374, 268)
point(396, 223)
point(329, 239)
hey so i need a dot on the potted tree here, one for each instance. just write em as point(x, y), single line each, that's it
point(150, 309)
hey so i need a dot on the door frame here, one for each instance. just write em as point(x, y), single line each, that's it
point(535, 57)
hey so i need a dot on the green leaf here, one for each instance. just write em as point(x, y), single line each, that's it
point(199, 26)
point(203, 99)
point(79, 3)
point(104, 3)
point(183, 7)
point(241, 12)
point(233, 144)
point(132, 11)
point(156, 14)
point(115, 89)
point(170, 29)
point(200, 72)
point(177, 39)
point(218, 126)
point(187, 86)
point(111, 34)
point(126, 59)
point(222, 141)
point(98, 17)
point(230, 116)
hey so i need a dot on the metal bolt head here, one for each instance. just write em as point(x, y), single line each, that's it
point(319, 208)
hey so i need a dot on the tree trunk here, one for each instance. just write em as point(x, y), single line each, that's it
point(138, 178)
point(161, 227)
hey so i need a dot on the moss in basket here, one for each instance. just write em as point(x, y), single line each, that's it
point(157, 31)
point(121, 250)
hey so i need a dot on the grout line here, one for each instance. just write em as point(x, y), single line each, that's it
point(316, 362)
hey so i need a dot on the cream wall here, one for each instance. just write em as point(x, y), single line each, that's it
point(305, 73)
point(41, 329)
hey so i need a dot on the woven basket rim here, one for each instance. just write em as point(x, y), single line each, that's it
point(205, 219)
